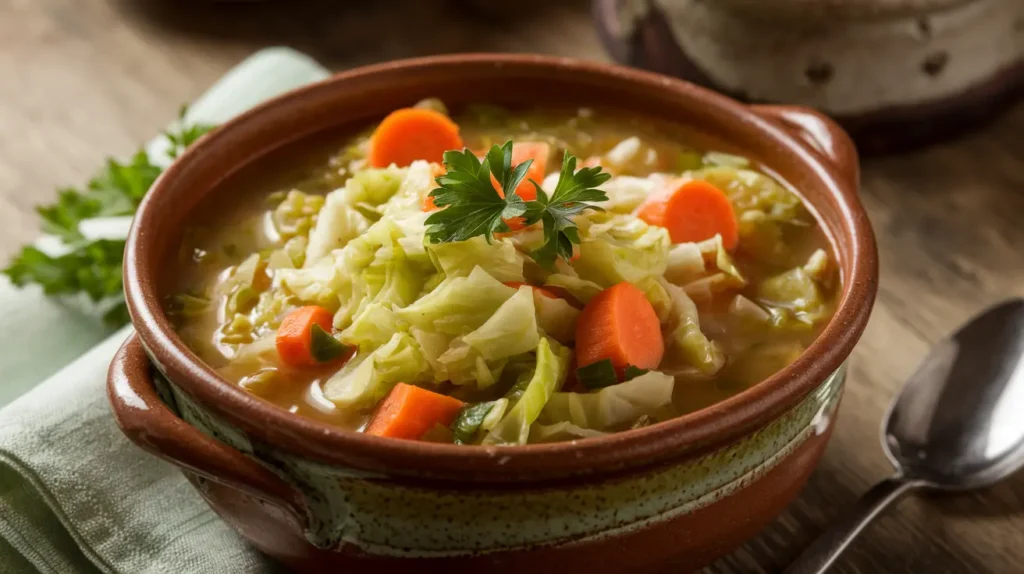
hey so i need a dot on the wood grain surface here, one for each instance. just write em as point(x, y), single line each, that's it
point(83, 79)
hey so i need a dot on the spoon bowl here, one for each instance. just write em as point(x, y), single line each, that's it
point(958, 421)
point(957, 424)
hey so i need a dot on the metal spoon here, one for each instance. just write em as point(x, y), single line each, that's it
point(957, 424)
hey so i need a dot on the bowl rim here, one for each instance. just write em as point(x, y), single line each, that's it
point(715, 424)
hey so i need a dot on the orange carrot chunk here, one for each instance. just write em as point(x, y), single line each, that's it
point(409, 134)
point(410, 411)
point(539, 152)
point(295, 335)
point(620, 325)
point(694, 211)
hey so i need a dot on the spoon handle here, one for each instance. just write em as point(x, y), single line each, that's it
point(822, 553)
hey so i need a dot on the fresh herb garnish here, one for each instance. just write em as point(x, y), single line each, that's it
point(323, 347)
point(88, 266)
point(468, 421)
point(634, 372)
point(471, 205)
point(602, 374)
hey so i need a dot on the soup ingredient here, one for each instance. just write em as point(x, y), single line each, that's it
point(409, 412)
point(536, 153)
point(602, 374)
point(472, 207)
point(298, 342)
point(538, 290)
point(514, 427)
point(620, 325)
point(87, 263)
point(613, 406)
point(409, 134)
point(694, 211)
point(469, 420)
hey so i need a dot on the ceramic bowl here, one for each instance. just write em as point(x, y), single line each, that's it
point(679, 493)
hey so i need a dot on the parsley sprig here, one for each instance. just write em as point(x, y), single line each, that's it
point(471, 205)
point(93, 267)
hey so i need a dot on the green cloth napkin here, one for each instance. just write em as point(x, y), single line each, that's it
point(75, 494)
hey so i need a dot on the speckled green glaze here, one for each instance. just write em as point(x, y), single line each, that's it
point(381, 517)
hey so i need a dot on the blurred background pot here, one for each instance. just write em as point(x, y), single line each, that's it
point(895, 73)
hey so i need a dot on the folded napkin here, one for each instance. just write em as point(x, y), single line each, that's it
point(75, 494)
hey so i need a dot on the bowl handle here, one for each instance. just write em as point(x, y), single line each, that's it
point(821, 134)
point(147, 421)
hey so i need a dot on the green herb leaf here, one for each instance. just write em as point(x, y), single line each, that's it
point(94, 267)
point(472, 206)
point(575, 193)
point(469, 420)
point(597, 375)
point(323, 346)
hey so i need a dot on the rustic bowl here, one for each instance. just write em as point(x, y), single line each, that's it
point(678, 493)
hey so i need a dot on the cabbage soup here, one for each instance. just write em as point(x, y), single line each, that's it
point(502, 277)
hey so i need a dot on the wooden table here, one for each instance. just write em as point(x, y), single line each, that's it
point(81, 79)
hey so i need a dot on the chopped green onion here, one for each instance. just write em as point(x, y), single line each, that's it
point(323, 346)
point(597, 375)
point(469, 420)
point(634, 372)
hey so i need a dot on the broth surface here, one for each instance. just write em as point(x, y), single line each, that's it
point(755, 340)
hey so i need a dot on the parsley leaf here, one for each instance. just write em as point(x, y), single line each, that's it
point(471, 205)
point(570, 198)
point(94, 267)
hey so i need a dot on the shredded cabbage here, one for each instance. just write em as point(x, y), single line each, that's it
point(369, 377)
point(556, 317)
point(688, 351)
point(459, 305)
point(617, 248)
point(499, 258)
point(337, 223)
point(514, 427)
point(512, 329)
point(614, 406)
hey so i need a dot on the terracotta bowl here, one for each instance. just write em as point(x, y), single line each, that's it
point(679, 493)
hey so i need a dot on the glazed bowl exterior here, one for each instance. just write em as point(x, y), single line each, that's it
point(675, 495)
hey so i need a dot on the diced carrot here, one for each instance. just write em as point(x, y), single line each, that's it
point(539, 152)
point(696, 210)
point(436, 170)
point(410, 411)
point(409, 134)
point(295, 337)
point(542, 290)
point(620, 325)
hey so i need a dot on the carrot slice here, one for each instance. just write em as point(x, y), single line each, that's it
point(295, 337)
point(410, 411)
point(620, 325)
point(409, 134)
point(694, 211)
point(539, 152)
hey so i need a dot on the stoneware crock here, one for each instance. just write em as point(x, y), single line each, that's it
point(674, 495)
point(895, 73)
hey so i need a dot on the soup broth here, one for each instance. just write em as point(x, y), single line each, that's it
point(727, 315)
